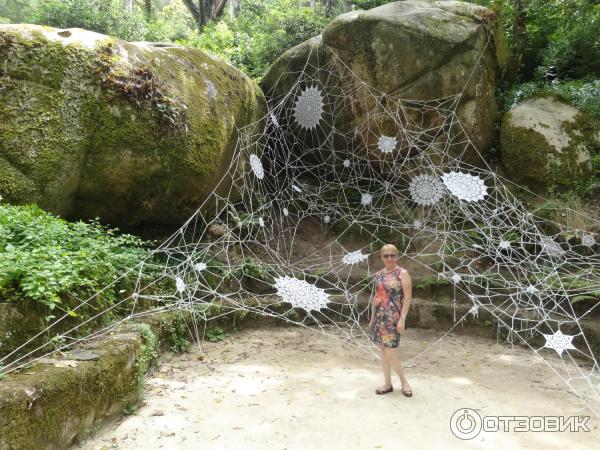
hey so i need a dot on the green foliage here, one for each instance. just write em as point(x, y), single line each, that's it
point(102, 16)
point(215, 334)
point(170, 23)
point(438, 266)
point(560, 33)
point(369, 4)
point(45, 257)
point(580, 283)
point(130, 409)
point(148, 351)
point(293, 315)
point(593, 296)
point(262, 30)
point(16, 11)
point(251, 268)
point(427, 282)
point(565, 34)
point(178, 332)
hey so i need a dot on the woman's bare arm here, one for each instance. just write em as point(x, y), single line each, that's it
point(406, 291)
point(371, 300)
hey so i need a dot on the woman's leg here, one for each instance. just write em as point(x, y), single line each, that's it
point(387, 369)
point(396, 364)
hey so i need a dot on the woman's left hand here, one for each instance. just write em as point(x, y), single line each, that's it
point(400, 326)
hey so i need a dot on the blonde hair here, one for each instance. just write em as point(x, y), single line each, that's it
point(388, 246)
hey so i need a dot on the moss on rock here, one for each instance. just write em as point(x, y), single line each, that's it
point(547, 143)
point(18, 323)
point(15, 187)
point(525, 154)
point(130, 132)
point(50, 404)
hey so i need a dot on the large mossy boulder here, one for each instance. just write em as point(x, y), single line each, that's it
point(547, 143)
point(413, 49)
point(132, 133)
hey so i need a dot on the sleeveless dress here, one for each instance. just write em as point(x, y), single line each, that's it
point(388, 304)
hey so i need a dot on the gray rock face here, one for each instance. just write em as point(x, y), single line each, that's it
point(412, 49)
point(130, 132)
point(546, 142)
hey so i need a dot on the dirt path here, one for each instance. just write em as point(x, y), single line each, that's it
point(293, 388)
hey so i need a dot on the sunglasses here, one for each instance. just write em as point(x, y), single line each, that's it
point(390, 255)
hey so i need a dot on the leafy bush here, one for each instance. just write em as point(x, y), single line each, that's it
point(560, 33)
point(149, 351)
point(215, 334)
point(368, 4)
point(171, 23)
point(262, 30)
point(103, 16)
point(564, 34)
point(15, 11)
point(178, 332)
point(44, 258)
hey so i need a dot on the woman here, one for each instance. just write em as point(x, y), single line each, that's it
point(393, 293)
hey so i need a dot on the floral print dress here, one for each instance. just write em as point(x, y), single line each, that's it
point(388, 304)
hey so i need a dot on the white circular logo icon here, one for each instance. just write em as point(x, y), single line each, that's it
point(465, 423)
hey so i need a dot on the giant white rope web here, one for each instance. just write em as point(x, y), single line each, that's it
point(396, 171)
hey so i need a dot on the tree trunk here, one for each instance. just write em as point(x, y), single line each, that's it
point(217, 8)
point(235, 6)
point(519, 42)
point(329, 7)
point(205, 11)
point(194, 9)
point(148, 7)
point(201, 15)
point(129, 6)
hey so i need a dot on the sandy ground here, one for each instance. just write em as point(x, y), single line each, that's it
point(294, 388)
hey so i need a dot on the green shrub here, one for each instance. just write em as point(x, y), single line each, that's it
point(178, 333)
point(16, 11)
point(215, 334)
point(103, 16)
point(43, 258)
point(170, 23)
point(560, 33)
point(149, 351)
point(571, 42)
point(262, 30)
point(367, 4)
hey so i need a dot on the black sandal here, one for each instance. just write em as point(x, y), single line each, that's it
point(381, 392)
point(407, 393)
